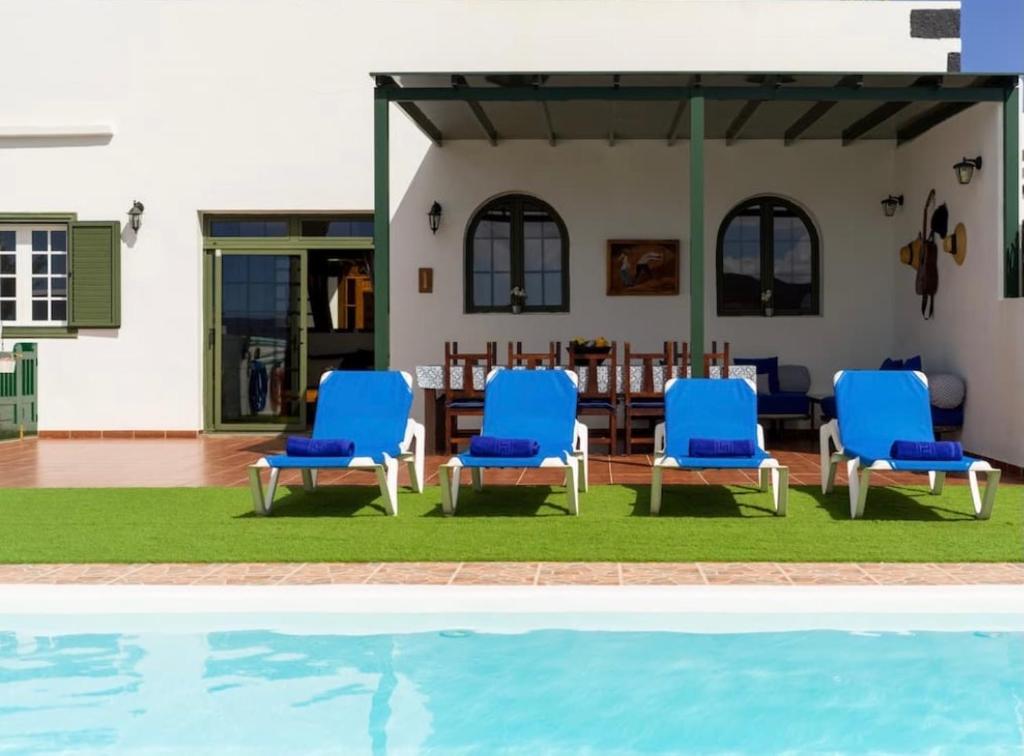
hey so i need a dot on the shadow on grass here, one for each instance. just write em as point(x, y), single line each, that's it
point(511, 501)
point(889, 503)
point(701, 501)
point(329, 501)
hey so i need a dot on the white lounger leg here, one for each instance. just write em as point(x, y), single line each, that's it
point(262, 502)
point(583, 455)
point(476, 474)
point(780, 489)
point(572, 484)
point(450, 477)
point(416, 464)
point(936, 480)
point(387, 479)
point(829, 461)
point(860, 479)
point(983, 505)
point(309, 480)
point(764, 476)
point(656, 475)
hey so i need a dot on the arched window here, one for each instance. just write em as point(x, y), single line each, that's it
point(768, 260)
point(517, 241)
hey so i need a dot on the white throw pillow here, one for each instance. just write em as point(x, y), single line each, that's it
point(946, 390)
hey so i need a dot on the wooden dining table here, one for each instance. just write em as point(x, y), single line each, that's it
point(430, 378)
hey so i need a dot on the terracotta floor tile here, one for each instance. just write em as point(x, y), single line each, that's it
point(414, 573)
point(585, 573)
point(657, 573)
point(1009, 574)
point(825, 573)
point(740, 573)
point(497, 573)
point(887, 573)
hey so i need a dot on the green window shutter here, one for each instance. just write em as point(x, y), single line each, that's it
point(95, 275)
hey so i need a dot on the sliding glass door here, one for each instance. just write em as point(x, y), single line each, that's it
point(259, 340)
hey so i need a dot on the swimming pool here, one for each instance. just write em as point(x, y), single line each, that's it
point(382, 675)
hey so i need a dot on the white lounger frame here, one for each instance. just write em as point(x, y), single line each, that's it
point(411, 452)
point(575, 465)
point(860, 475)
point(768, 470)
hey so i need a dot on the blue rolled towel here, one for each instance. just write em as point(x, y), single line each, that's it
point(491, 446)
point(300, 446)
point(721, 447)
point(931, 451)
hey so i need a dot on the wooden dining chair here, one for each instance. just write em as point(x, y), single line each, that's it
point(644, 402)
point(465, 401)
point(714, 356)
point(597, 401)
point(533, 360)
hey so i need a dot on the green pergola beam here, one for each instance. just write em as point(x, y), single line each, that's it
point(459, 82)
point(548, 125)
point(780, 94)
point(816, 112)
point(697, 234)
point(424, 124)
point(736, 127)
point(381, 235)
point(1011, 193)
point(677, 117)
point(929, 119)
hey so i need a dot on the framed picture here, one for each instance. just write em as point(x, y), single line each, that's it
point(643, 267)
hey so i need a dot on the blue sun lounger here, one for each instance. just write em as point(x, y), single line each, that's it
point(721, 408)
point(527, 404)
point(877, 408)
point(369, 408)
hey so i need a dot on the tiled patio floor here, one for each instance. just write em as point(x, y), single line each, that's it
point(220, 460)
point(519, 573)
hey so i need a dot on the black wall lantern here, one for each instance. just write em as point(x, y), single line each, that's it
point(965, 169)
point(890, 203)
point(135, 215)
point(434, 216)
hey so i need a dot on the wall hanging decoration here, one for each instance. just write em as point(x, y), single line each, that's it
point(425, 278)
point(956, 243)
point(643, 267)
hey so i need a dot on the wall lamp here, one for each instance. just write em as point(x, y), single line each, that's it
point(434, 216)
point(965, 169)
point(135, 215)
point(890, 203)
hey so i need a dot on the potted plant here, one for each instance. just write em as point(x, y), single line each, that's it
point(599, 346)
point(518, 295)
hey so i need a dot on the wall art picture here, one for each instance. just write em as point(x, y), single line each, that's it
point(643, 267)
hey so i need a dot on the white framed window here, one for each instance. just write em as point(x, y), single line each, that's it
point(34, 274)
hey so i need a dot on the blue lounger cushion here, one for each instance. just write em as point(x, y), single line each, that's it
point(718, 447)
point(945, 451)
point(539, 405)
point(876, 408)
point(490, 446)
point(697, 408)
point(369, 408)
point(300, 446)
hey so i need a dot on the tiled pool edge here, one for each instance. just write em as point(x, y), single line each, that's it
point(520, 573)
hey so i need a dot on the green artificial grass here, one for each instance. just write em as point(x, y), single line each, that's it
point(697, 523)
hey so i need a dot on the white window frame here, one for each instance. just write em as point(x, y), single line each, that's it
point(23, 275)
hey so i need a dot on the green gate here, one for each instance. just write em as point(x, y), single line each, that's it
point(18, 404)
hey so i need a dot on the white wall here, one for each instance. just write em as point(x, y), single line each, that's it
point(253, 104)
point(975, 333)
point(640, 190)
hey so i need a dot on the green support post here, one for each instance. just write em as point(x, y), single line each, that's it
point(381, 233)
point(697, 233)
point(1011, 194)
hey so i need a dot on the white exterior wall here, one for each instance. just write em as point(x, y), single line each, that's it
point(975, 333)
point(641, 190)
point(255, 105)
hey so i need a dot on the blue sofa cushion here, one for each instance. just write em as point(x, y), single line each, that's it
point(765, 366)
point(783, 403)
point(912, 363)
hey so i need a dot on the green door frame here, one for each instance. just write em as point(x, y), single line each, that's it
point(1012, 267)
point(213, 386)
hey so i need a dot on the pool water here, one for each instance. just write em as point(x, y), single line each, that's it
point(538, 692)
